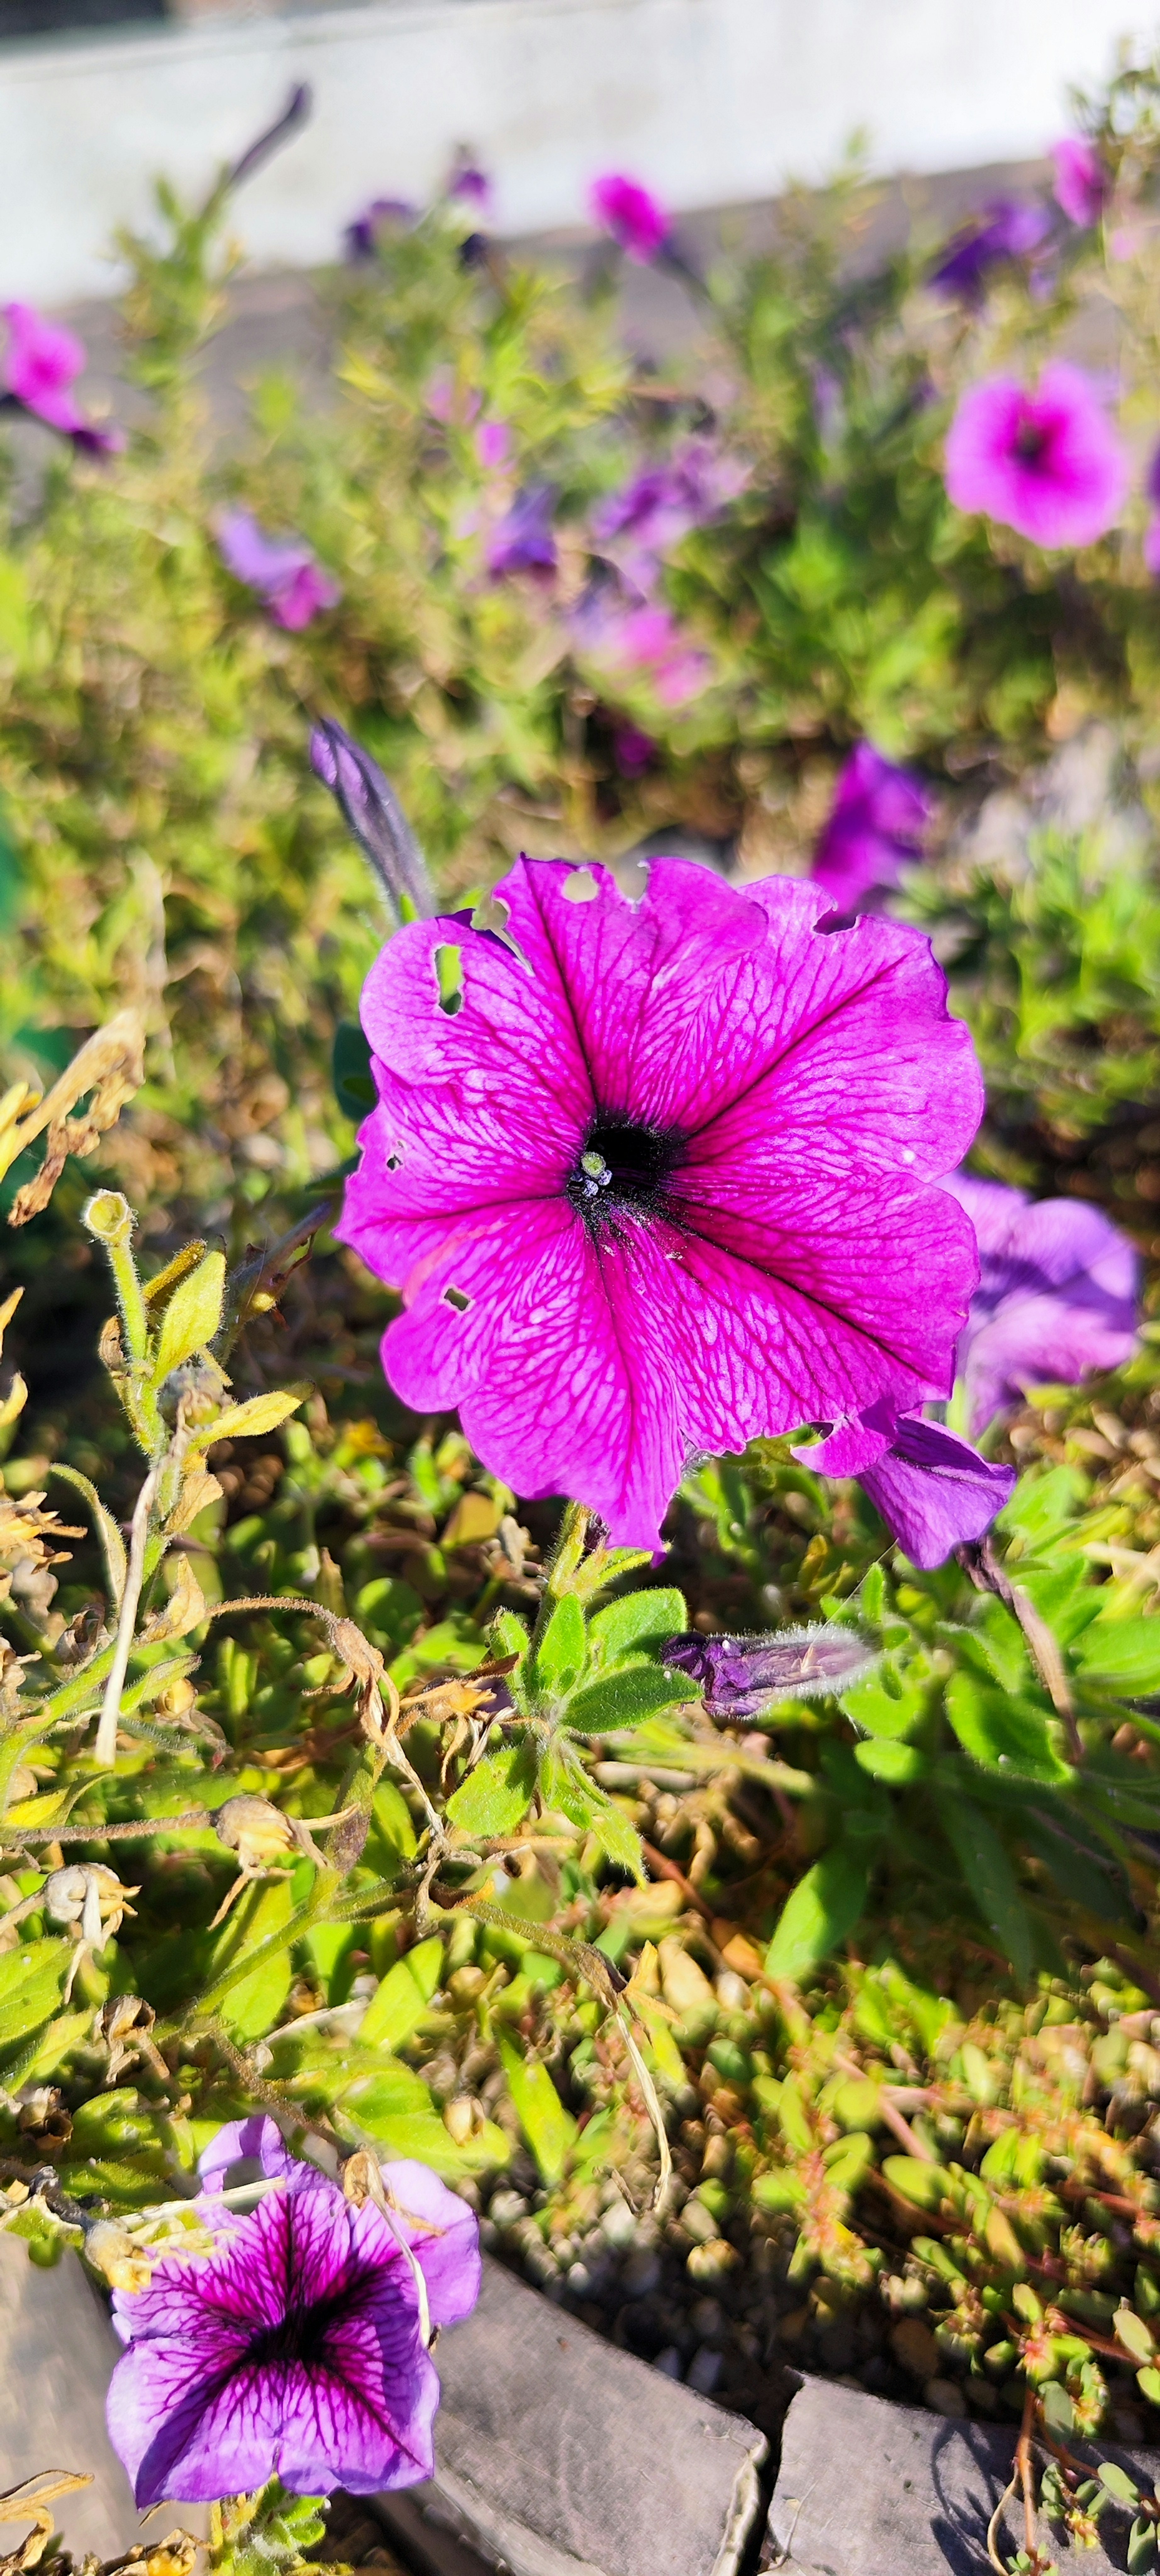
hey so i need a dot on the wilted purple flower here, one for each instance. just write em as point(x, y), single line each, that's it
point(932, 1489)
point(637, 223)
point(41, 364)
point(656, 1182)
point(1048, 463)
point(1058, 1295)
point(525, 540)
point(296, 2349)
point(643, 642)
point(287, 577)
point(373, 815)
point(1081, 181)
point(1007, 229)
point(877, 821)
point(637, 527)
point(739, 1676)
point(362, 234)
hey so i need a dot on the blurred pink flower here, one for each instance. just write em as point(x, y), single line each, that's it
point(1048, 463)
point(634, 218)
point(879, 815)
point(1081, 181)
point(447, 400)
point(493, 441)
point(41, 363)
point(636, 527)
point(643, 641)
point(524, 541)
point(287, 577)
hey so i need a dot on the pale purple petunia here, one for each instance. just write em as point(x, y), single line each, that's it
point(635, 218)
point(932, 1489)
point(1008, 229)
point(361, 235)
point(1048, 463)
point(637, 527)
point(877, 822)
point(1081, 181)
point(296, 2349)
point(642, 641)
point(40, 366)
point(286, 575)
point(656, 1181)
point(524, 540)
point(1058, 1295)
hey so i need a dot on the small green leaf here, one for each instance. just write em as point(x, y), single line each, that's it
point(192, 1316)
point(403, 1996)
point(1058, 2411)
point(245, 1421)
point(449, 977)
point(624, 1698)
point(1124, 1654)
point(496, 1793)
point(354, 1083)
point(252, 2007)
point(925, 2186)
point(887, 1703)
point(1134, 2335)
point(1141, 2544)
point(823, 1908)
point(391, 1820)
point(31, 1977)
point(1117, 2482)
point(897, 1764)
point(562, 1651)
point(872, 1597)
point(1148, 2383)
point(1003, 1734)
point(550, 2130)
point(990, 1878)
point(565, 1785)
point(640, 1619)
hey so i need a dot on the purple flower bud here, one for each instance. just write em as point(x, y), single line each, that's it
point(878, 818)
point(373, 816)
point(1008, 229)
point(361, 235)
point(472, 186)
point(286, 576)
point(740, 1676)
point(637, 223)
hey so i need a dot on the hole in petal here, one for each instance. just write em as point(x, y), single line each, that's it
point(455, 1297)
point(393, 1162)
point(580, 887)
point(449, 979)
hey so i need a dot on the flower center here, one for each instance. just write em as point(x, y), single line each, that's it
point(1030, 441)
point(624, 1164)
point(298, 2336)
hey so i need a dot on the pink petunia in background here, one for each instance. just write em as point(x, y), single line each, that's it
point(659, 1179)
point(285, 574)
point(41, 363)
point(1048, 463)
point(1081, 181)
point(642, 642)
point(636, 219)
point(877, 823)
point(638, 526)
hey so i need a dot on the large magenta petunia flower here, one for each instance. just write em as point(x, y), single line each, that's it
point(653, 1177)
point(296, 2349)
point(1048, 463)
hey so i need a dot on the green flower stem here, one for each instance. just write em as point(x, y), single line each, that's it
point(562, 1564)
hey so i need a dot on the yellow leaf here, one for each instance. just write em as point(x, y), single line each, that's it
point(192, 1316)
point(244, 1421)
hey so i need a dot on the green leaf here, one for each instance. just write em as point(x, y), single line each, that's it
point(403, 1996)
point(872, 1597)
point(925, 2186)
point(252, 2007)
point(497, 1793)
point(245, 1421)
point(887, 1703)
point(192, 1316)
point(1124, 1654)
point(1117, 2482)
point(640, 1619)
point(565, 1785)
point(1134, 2335)
point(562, 1651)
point(350, 1064)
point(624, 1698)
point(1148, 2383)
point(1142, 2540)
point(550, 2130)
point(1058, 2411)
point(823, 1908)
point(990, 1878)
point(1042, 1505)
point(69, 2030)
point(31, 1978)
point(1003, 1734)
point(897, 1764)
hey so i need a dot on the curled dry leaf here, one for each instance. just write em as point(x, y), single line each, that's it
point(110, 1066)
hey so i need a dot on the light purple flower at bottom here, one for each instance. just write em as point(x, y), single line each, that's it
point(295, 2350)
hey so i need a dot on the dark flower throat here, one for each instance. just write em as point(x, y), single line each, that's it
point(623, 1164)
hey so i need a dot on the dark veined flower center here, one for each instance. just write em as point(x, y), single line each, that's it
point(623, 1164)
point(299, 2336)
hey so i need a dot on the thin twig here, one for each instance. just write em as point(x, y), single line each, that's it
point(996, 2519)
point(105, 1749)
point(980, 1561)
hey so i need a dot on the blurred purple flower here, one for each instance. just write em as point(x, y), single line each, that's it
point(643, 642)
point(524, 540)
point(1058, 1295)
point(297, 2348)
point(1152, 531)
point(493, 441)
point(448, 399)
point(1081, 181)
point(287, 577)
point(636, 527)
point(41, 363)
point(1048, 463)
point(877, 821)
point(632, 750)
point(471, 186)
point(637, 223)
point(932, 1489)
point(362, 235)
point(1007, 229)
point(739, 1676)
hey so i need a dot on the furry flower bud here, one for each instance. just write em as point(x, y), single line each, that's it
point(739, 1676)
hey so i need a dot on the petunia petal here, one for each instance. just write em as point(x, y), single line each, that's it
point(934, 1491)
point(1058, 1295)
point(444, 2235)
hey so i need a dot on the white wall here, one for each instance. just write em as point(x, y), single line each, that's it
point(710, 101)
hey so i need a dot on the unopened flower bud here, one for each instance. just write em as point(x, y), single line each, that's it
point(373, 815)
point(90, 1895)
point(112, 2253)
point(255, 1830)
point(739, 1676)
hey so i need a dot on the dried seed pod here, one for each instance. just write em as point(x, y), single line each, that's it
point(112, 2253)
point(257, 1831)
